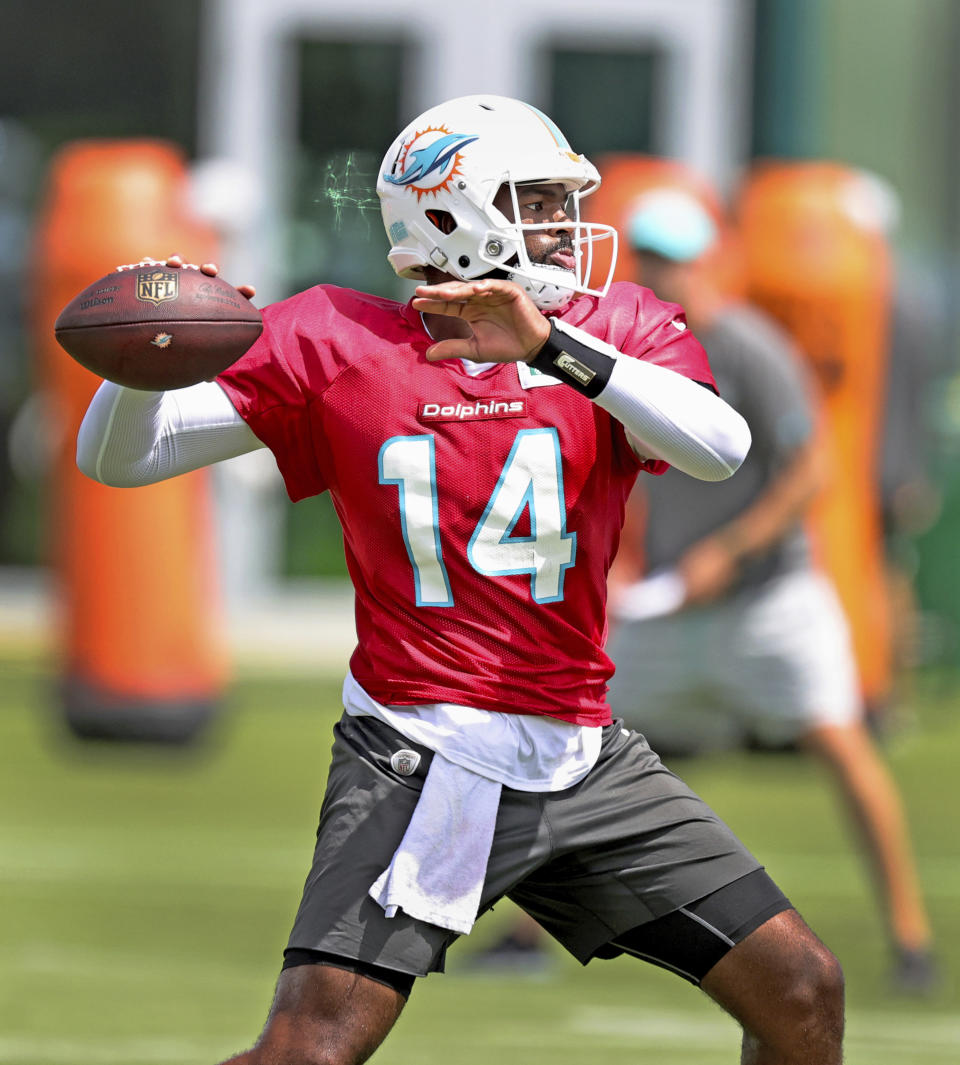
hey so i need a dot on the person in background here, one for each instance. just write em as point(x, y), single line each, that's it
point(725, 632)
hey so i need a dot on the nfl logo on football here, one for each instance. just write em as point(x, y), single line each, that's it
point(157, 286)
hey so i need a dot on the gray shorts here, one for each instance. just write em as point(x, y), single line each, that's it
point(630, 843)
point(767, 664)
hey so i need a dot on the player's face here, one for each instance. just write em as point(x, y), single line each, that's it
point(543, 204)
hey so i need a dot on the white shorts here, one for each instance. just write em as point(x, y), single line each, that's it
point(767, 665)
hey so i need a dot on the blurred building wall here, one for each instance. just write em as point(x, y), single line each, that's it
point(248, 95)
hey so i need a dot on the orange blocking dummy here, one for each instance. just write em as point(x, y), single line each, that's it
point(139, 625)
point(816, 257)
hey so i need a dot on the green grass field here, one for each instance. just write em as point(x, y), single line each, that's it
point(145, 897)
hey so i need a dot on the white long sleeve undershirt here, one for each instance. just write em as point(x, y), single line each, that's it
point(667, 416)
point(130, 438)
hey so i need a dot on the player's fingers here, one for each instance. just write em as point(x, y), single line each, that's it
point(438, 306)
point(176, 260)
point(460, 291)
point(212, 269)
point(465, 348)
point(446, 290)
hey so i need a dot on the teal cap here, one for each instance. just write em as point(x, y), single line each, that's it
point(671, 223)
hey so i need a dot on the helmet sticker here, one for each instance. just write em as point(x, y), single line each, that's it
point(428, 162)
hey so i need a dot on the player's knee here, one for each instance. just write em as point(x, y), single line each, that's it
point(814, 995)
point(807, 1023)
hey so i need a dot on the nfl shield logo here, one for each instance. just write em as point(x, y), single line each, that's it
point(404, 762)
point(157, 286)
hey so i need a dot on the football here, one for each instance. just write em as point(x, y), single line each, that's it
point(157, 327)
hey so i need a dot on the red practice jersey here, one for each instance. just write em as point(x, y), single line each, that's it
point(480, 514)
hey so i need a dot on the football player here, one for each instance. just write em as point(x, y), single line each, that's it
point(479, 443)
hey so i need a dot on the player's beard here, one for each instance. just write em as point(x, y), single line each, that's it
point(542, 257)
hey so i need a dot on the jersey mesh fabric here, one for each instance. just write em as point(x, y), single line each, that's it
point(480, 516)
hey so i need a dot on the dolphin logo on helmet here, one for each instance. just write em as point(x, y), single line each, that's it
point(417, 164)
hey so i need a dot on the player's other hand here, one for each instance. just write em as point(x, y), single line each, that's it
point(505, 324)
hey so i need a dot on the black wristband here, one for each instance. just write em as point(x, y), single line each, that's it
point(579, 365)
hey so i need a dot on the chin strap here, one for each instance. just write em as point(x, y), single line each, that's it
point(545, 295)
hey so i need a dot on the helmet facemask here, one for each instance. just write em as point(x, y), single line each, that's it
point(548, 285)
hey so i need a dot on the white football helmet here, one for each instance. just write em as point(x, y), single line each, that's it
point(438, 181)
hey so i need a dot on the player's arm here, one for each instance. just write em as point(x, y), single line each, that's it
point(129, 437)
point(666, 415)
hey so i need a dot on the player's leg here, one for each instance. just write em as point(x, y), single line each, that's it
point(785, 989)
point(326, 1015)
point(872, 796)
point(642, 866)
point(348, 968)
point(747, 948)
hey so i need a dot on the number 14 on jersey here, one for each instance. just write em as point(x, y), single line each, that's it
point(530, 482)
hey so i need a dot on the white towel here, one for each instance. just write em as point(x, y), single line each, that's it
point(437, 872)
